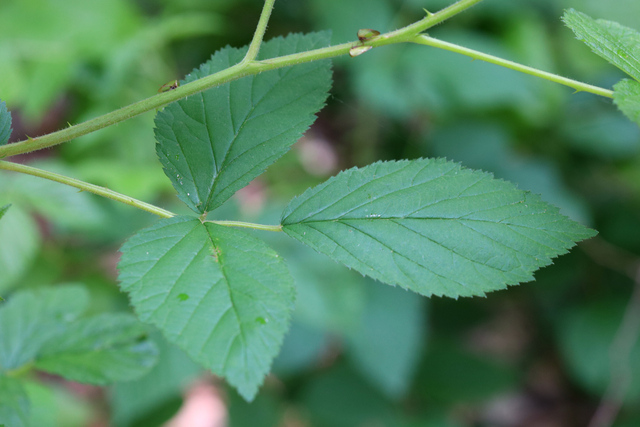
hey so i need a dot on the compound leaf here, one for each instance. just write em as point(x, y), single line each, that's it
point(618, 44)
point(220, 294)
point(100, 350)
point(431, 226)
point(626, 95)
point(5, 123)
point(214, 143)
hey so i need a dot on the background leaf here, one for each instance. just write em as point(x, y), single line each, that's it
point(53, 405)
point(213, 144)
point(100, 350)
point(220, 294)
point(626, 95)
point(42, 327)
point(31, 318)
point(14, 403)
point(19, 244)
point(431, 226)
point(5, 123)
point(618, 44)
point(132, 401)
point(388, 344)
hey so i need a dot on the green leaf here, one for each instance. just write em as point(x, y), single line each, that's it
point(626, 95)
point(431, 226)
point(4, 209)
point(387, 346)
point(55, 404)
point(103, 349)
point(14, 403)
point(5, 123)
point(220, 294)
point(214, 143)
point(32, 318)
point(19, 244)
point(618, 44)
point(42, 328)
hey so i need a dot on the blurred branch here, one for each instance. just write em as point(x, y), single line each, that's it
point(626, 337)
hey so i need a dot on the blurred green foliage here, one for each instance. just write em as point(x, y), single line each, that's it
point(347, 360)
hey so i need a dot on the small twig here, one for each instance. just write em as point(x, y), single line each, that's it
point(619, 355)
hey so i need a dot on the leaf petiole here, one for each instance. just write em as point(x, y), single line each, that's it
point(424, 39)
point(85, 186)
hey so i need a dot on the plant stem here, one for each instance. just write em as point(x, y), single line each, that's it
point(254, 47)
point(578, 86)
point(85, 186)
point(113, 195)
point(235, 72)
point(248, 225)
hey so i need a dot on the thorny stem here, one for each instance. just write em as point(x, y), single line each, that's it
point(244, 68)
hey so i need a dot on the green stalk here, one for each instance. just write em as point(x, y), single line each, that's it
point(85, 186)
point(114, 195)
point(578, 86)
point(254, 47)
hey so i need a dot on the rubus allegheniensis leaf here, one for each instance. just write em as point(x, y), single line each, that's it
point(431, 226)
point(214, 143)
point(222, 295)
point(626, 95)
point(618, 44)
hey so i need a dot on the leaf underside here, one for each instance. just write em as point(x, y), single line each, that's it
point(617, 44)
point(214, 143)
point(220, 294)
point(431, 226)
